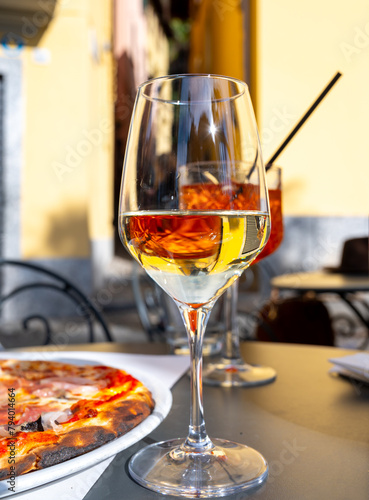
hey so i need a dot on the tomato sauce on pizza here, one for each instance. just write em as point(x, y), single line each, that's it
point(59, 411)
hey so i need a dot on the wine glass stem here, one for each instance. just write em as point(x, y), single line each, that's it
point(195, 321)
point(231, 348)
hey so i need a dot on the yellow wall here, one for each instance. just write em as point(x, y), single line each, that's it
point(67, 183)
point(217, 41)
point(299, 47)
point(68, 133)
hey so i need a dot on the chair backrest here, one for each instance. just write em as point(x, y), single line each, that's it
point(151, 305)
point(300, 320)
point(40, 278)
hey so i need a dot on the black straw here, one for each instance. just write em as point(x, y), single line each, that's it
point(303, 120)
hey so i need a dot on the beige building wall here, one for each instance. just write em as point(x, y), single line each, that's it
point(67, 163)
point(291, 51)
point(299, 47)
point(217, 38)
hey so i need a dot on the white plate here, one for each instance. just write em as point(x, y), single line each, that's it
point(163, 403)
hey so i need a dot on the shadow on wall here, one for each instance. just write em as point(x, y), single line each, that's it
point(24, 23)
point(312, 243)
point(68, 234)
point(64, 249)
point(126, 94)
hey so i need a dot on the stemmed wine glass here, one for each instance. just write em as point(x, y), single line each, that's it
point(194, 212)
point(230, 369)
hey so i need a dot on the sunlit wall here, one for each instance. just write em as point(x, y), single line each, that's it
point(288, 51)
point(299, 47)
point(66, 130)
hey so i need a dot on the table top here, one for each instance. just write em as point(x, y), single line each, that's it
point(312, 427)
point(321, 282)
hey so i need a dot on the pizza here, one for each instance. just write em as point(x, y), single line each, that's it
point(51, 412)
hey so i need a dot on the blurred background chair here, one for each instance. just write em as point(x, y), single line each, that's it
point(161, 320)
point(298, 320)
point(342, 290)
point(35, 326)
point(151, 306)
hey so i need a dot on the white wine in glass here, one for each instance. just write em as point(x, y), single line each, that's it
point(194, 213)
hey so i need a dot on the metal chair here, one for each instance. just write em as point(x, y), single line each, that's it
point(61, 285)
point(151, 305)
point(158, 314)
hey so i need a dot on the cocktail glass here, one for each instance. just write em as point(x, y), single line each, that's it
point(230, 369)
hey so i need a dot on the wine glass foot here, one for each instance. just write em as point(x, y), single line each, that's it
point(225, 469)
point(237, 373)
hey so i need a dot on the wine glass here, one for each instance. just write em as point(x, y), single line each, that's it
point(230, 369)
point(194, 225)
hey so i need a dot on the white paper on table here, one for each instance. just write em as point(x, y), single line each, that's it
point(167, 368)
point(353, 365)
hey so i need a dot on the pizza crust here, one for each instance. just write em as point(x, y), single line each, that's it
point(71, 445)
point(23, 465)
point(120, 405)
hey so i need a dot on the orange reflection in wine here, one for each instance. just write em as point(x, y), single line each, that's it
point(176, 237)
point(276, 234)
point(220, 197)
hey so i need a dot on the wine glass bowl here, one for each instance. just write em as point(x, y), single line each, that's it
point(195, 237)
point(194, 213)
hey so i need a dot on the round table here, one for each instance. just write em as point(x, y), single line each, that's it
point(312, 427)
point(322, 282)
